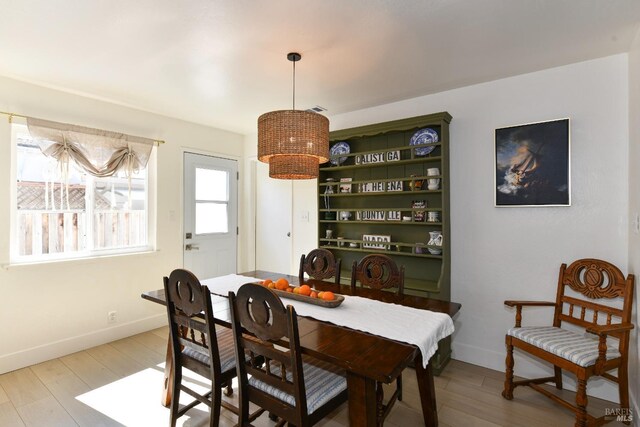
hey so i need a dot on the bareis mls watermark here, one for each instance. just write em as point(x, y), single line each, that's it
point(619, 414)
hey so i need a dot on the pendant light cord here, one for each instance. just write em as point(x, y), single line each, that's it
point(294, 85)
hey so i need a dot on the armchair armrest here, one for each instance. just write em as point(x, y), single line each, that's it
point(511, 303)
point(519, 304)
point(604, 330)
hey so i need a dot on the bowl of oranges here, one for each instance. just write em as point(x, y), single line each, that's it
point(303, 293)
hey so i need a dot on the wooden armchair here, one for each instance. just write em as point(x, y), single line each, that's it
point(379, 271)
point(590, 280)
point(319, 264)
point(299, 391)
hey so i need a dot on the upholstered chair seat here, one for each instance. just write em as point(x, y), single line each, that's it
point(575, 347)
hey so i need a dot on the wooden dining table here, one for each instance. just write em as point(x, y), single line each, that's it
point(366, 358)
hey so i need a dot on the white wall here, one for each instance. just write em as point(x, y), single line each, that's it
point(54, 309)
point(634, 208)
point(515, 253)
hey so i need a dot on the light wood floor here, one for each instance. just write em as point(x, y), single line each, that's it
point(119, 384)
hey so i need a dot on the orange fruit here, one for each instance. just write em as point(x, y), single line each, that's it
point(296, 290)
point(282, 284)
point(328, 296)
point(320, 294)
point(266, 282)
point(289, 289)
point(305, 290)
point(271, 285)
point(314, 294)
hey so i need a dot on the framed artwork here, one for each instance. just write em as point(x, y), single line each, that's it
point(532, 166)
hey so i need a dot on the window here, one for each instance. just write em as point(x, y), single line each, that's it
point(62, 214)
point(212, 199)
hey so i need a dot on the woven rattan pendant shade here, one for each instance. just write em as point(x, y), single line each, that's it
point(293, 142)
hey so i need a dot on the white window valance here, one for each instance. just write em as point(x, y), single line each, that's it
point(100, 153)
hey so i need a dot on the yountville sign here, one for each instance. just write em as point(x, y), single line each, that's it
point(370, 215)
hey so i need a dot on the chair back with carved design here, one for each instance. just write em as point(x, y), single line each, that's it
point(196, 345)
point(319, 264)
point(378, 271)
point(277, 384)
point(596, 280)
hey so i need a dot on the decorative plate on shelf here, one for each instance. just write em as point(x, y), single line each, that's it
point(425, 136)
point(339, 148)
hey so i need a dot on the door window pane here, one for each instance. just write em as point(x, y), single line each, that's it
point(211, 218)
point(212, 185)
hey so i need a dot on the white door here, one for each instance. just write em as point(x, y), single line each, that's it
point(210, 215)
point(273, 222)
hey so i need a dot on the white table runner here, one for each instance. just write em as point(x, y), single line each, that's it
point(422, 328)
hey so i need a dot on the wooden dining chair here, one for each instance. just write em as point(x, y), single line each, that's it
point(299, 390)
point(584, 299)
point(320, 264)
point(378, 271)
point(197, 345)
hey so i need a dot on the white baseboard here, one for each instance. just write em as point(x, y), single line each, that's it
point(530, 367)
point(48, 351)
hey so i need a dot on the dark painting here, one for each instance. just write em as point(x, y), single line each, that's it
point(532, 164)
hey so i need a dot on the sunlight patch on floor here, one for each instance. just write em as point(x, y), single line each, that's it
point(134, 401)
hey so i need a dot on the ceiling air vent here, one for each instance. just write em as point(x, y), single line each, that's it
point(316, 109)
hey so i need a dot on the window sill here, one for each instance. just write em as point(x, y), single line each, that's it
point(146, 252)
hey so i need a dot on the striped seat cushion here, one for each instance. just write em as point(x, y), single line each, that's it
point(579, 349)
point(225, 348)
point(322, 382)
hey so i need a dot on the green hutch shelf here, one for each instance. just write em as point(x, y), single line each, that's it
point(377, 190)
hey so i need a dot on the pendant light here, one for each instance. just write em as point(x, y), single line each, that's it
point(293, 142)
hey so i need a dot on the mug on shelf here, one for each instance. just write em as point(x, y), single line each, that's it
point(433, 183)
point(433, 172)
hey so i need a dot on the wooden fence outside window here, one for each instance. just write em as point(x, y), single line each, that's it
point(54, 232)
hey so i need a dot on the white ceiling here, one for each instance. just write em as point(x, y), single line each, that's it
point(223, 62)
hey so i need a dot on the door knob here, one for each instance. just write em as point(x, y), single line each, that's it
point(289, 234)
point(190, 247)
